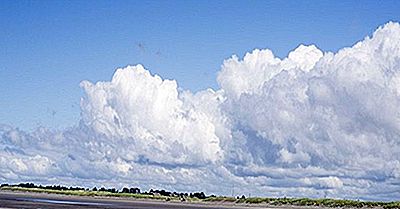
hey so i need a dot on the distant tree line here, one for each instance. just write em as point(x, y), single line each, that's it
point(53, 187)
point(133, 190)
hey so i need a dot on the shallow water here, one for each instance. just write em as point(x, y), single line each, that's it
point(61, 201)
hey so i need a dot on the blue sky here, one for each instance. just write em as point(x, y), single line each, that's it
point(313, 124)
point(48, 47)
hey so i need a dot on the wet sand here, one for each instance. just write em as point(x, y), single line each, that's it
point(44, 201)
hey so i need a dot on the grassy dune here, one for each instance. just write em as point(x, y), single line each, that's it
point(334, 203)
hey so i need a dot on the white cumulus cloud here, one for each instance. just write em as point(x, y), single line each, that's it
point(313, 124)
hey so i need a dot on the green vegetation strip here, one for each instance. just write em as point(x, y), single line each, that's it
point(334, 203)
point(87, 193)
point(307, 202)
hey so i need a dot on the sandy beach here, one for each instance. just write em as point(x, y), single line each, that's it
point(10, 199)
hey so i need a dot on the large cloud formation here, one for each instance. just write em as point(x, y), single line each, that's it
point(313, 124)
